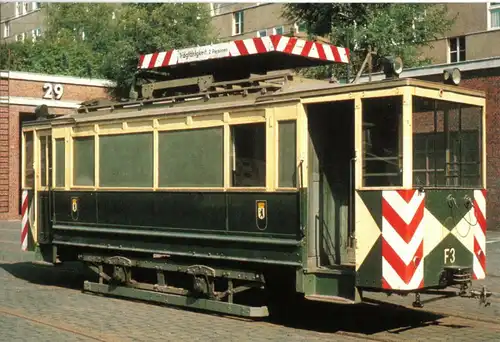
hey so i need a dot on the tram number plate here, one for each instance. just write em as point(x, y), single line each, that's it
point(449, 255)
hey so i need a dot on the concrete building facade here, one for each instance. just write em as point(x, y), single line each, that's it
point(21, 20)
point(248, 20)
point(20, 94)
point(473, 35)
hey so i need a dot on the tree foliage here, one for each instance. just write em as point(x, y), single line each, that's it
point(392, 29)
point(104, 40)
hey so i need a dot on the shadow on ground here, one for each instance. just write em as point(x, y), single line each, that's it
point(71, 275)
point(367, 319)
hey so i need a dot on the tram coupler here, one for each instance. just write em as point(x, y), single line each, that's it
point(482, 295)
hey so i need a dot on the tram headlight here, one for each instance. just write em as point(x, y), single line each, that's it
point(452, 76)
point(393, 66)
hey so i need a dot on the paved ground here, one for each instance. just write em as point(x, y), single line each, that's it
point(45, 304)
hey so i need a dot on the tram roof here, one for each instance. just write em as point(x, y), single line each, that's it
point(255, 55)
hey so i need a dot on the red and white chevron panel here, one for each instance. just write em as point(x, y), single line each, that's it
point(24, 220)
point(479, 262)
point(251, 46)
point(402, 239)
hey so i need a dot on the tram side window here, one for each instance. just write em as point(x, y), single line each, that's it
point(447, 142)
point(60, 168)
point(191, 158)
point(84, 161)
point(382, 141)
point(45, 158)
point(248, 155)
point(287, 154)
point(126, 160)
point(29, 172)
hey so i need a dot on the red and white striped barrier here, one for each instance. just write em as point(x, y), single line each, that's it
point(250, 46)
point(402, 239)
point(479, 265)
point(25, 221)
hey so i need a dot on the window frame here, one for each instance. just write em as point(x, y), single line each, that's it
point(56, 171)
point(32, 167)
point(427, 136)
point(232, 160)
point(238, 23)
point(402, 144)
point(277, 160)
point(20, 37)
point(95, 178)
point(259, 33)
point(35, 6)
point(492, 6)
point(36, 33)
point(275, 30)
point(298, 25)
point(7, 29)
point(18, 8)
point(458, 50)
point(98, 160)
point(157, 179)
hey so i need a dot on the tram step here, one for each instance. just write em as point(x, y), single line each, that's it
point(329, 299)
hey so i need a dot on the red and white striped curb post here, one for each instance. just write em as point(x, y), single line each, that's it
point(24, 221)
point(479, 262)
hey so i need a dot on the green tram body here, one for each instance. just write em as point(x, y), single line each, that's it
point(318, 189)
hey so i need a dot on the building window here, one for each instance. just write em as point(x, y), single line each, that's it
point(262, 33)
point(26, 7)
point(457, 49)
point(300, 27)
point(36, 33)
point(215, 8)
point(494, 15)
point(279, 30)
point(19, 8)
point(6, 29)
point(238, 23)
point(20, 37)
point(36, 6)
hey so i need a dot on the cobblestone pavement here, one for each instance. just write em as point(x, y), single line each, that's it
point(40, 303)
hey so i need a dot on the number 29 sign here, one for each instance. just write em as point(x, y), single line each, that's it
point(53, 91)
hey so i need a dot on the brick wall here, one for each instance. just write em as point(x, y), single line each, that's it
point(4, 159)
point(72, 92)
point(9, 136)
point(489, 81)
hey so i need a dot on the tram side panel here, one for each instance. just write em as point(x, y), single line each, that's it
point(408, 239)
point(209, 225)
